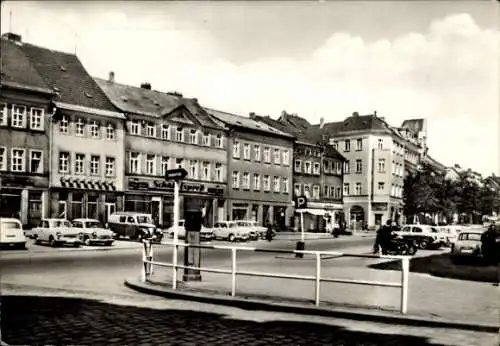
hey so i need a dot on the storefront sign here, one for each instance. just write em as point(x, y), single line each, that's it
point(169, 186)
point(326, 206)
point(379, 206)
point(20, 181)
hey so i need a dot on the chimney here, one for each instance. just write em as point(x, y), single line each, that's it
point(146, 85)
point(321, 122)
point(355, 114)
point(12, 37)
point(375, 113)
point(284, 114)
point(252, 115)
point(111, 77)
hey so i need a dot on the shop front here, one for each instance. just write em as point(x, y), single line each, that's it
point(156, 197)
point(24, 198)
point(263, 213)
point(317, 215)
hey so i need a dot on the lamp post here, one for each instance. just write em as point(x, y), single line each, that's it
point(300, 205)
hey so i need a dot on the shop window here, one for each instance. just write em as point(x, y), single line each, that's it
point(77, 205)
point(138, 203)
point(92, 207)
point(35, 211)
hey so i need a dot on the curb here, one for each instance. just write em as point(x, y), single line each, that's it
point(256, 304)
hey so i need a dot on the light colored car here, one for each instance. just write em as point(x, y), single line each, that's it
point(229, 230)
point(11, 233)
point(468, 244)
point(206, 234)
point(425, 236)
point(252, 227)
point(57, 232)
point(92, 232)
point(450, 233)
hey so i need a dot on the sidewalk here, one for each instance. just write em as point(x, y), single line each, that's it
point(312, 235)
point(430, 298)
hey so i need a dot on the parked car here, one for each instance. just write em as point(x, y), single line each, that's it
point(206, 234)
point(468, 244)
point(449, 233)
point(57, 232)
point(92, 232)
point(133, 225)
point(253, 228)
point(229, 230)
point(12, 234)
point(425, 236)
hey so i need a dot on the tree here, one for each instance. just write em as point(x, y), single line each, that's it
point(419, 193)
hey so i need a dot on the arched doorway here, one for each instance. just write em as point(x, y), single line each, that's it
point(357, 217)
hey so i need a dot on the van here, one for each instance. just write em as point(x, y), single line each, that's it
point(136, 226)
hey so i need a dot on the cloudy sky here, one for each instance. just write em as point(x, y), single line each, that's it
point(437, 60)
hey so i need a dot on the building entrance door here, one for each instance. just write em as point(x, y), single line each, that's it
point(110, 209)
point(62, 208)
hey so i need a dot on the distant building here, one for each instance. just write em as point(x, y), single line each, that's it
point(259, 170)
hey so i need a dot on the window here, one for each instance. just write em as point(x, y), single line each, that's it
point(79, 127)
point(380, 144)
point(267, 154)
point(256, 181)
point(236, 180)
point(338, 167)
point(332, 192)
point(346, 167)
point(79, 159)
point(236, 149)
point(381, 165)
point(36, 163)
point(286, 187)
point(256, 152)
point(164, 165)
point(206, 139)
point(277, 156)
point(36, 119)
point(192, 137)
point(135, 127)
point(94, 165)
point(325, 191)
point(339, 192)
point(286, 157)
point(336, 145)
point(18, 160)
point(179, 134)
point(276, 184)
point(193, 169)
point(316, 168)
point(3, 114)
point(298, 166)
point(63, 162)
point(150, 129)
point(218, 172)
point(165, 131)
point(3, 159)
point(359, 166)
point(307, 167)
point(346, 189)
point(64, 124)
point(267, 183)
point(326, 166)
point(246, 180)
point(307, 189)
point(297, 189)
point(150, 164)
point(18, 116)
point(219, 142)
point(134, 163)
point(358, 189)
point(110, 132)
point(94, 129)
point(205, 170)
point(316, 192)
point(381, 186)
point(179, 163)
point(347, 145)
point(359, 144)
point(246, 151)
point(110, 166)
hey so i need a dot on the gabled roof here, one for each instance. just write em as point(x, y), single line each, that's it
point(294, 120)
point(65, 74)
point(152, 103)
point(244, 122)
point(355, 123)
point(330, 151)
point(17, 70)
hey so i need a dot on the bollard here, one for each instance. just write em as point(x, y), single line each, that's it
point(318, 278)
point(233, 272)
point(405, 268)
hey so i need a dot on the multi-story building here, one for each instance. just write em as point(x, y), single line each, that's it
point(166, 131)
point(85, 139)
point(259, 170)
point(317, 171)
point(24, 135)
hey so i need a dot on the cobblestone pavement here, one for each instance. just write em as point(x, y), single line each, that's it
point(38, 320)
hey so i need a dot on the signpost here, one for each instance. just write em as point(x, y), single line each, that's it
point(300, 204)
point(176, 175)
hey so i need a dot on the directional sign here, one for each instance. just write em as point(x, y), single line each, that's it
point(176, 174)
point(300, 202)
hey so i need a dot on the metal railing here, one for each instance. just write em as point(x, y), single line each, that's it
point(149, 263)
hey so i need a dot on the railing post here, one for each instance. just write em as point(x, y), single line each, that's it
point(318, 278)
point(405, 268)
point(143, 267)
point(174, 267)
point(150, 258)
point(233, 272)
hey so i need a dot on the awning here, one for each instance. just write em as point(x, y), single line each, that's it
point(318, 212)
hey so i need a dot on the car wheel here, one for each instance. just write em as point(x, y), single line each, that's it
point(231, 238)
point(76, 244)
point(52, 241)
point(424, 244)
point(411, 250)
point(109, 243)
point(37, 241)
point(86, 240)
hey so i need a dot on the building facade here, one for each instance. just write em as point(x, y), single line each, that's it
point(25, 103)
point(259, 171)
point(166, 131)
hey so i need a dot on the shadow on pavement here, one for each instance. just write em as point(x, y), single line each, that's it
point(442, 265)
point(50, 320)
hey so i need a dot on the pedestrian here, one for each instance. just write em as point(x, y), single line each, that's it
point(269, 232)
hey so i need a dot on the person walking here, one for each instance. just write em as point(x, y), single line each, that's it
point(269, 232)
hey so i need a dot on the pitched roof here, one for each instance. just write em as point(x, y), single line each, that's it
point(65, 74)
point(330, 151)
point(355, 123)
point(244, 122)
point(416, 125)
point(152, 103)
point(18, 71)
point(294, 120)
